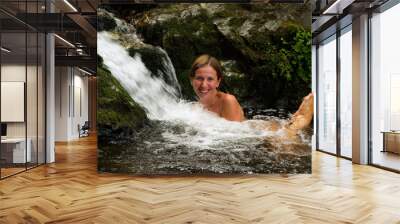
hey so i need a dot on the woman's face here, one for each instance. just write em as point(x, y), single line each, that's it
point(205, 82)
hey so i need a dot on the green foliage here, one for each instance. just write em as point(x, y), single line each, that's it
point(292, 54)
point(287, 64)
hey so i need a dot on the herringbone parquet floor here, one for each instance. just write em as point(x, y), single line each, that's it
point(71, 191)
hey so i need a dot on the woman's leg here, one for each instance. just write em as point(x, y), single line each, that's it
point(303, 116)
point(300, 120)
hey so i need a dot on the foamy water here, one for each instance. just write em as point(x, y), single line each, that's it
point(161, 102)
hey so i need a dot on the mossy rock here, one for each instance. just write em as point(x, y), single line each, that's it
point(186, 86)
point(118, 116)
point(105, 22)
point(155, 60)
point(271, 44)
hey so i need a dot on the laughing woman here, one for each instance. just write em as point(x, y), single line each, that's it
point(206, 76)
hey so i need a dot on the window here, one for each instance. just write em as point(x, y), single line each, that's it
point(22, 92)
point(385, 88)
point(346, 92)
point(327, 95)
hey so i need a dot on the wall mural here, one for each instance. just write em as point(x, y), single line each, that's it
point(204, 88)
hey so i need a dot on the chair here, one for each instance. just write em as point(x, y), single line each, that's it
point(84, 130)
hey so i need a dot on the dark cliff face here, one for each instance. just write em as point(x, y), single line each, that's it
point(266, 47)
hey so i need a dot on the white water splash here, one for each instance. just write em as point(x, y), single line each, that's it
point(161, 102)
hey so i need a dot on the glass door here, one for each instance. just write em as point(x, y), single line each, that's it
point(22, 88)
point(14, 154)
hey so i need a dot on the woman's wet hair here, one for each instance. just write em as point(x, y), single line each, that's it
point(204, 60)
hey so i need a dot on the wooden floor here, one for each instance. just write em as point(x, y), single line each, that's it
point(387, 159)
point(71, 191)
point(10, 171)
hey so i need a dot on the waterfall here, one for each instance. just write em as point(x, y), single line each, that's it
point(152, 93)
point(169, 71)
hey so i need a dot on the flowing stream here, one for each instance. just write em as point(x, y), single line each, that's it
point(187, 138)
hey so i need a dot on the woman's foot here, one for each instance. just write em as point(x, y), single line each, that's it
point(304, 115)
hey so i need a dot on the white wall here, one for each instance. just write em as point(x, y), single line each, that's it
point(71, 102)
point(62, 81)
point(13, 101)
point(9, 73)
point(33, 127)
point(12, 73)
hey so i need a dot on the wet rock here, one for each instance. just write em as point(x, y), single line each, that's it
point(235, 157)
point(118, 116)
point(259, 39)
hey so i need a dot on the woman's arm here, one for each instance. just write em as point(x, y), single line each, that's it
point(231, 109)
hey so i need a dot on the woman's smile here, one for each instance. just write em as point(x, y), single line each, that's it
point(204, 91)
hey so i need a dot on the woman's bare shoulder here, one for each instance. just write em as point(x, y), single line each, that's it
point(229, 99)
point(231, 109)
